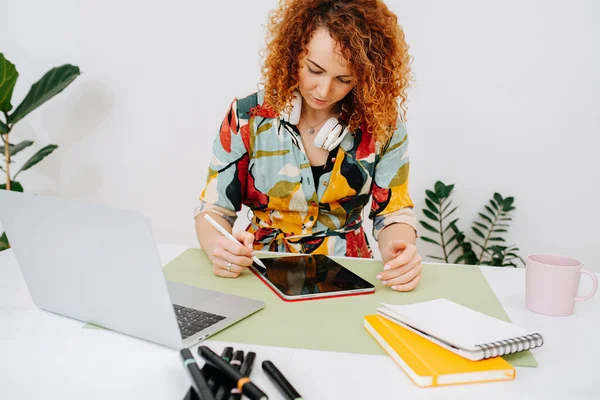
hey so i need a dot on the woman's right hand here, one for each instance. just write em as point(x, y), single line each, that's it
point(229, 258)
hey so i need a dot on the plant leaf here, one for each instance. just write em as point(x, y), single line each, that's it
point(451, 211)
point(430, 215)
point(482, 215)
point(436, 258)
point(490, 210)
point(499, 230)
point(8, 79)
point(51, 84)
point(447, 190)
point(439, 189)
point(37, 157)
point(14, 187)
point(497, 239)
point(432, 196)
point(478, 232)
point(453, 250)
point(4, 242)
point(453, 238)
point(431, 206)
point(446, 206)
point(459, 259)
point(429, 227)
point(14, 149)
point(477, 243)
point(493, 203)
point(3, 128)
point(479, 224)
point(498, 198)
point(426, 239)
point(508, 202)
point(450, 225)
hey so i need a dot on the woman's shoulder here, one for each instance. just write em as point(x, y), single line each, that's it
point(253, 105)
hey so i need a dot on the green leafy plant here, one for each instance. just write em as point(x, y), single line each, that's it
point(51, 84)
point(484, 249)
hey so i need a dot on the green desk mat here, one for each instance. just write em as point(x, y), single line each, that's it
point(335, 324)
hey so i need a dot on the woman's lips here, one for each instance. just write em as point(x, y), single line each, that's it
point(319, 101)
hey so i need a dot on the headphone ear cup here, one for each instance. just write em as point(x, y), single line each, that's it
point(334, 140)
point(330, 135)
point(330, 128)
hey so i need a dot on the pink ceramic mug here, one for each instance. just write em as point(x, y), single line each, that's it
point(552, 282)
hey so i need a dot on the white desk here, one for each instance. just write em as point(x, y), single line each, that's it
point(47, 356)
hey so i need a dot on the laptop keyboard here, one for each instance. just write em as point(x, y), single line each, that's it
point(192, 321)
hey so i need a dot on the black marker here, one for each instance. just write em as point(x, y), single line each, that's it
point(232, 375)
point(245, 370)
point(279, 380)
point(209, 370)
point(198, 380)
point(236, 362)
point(191, 394)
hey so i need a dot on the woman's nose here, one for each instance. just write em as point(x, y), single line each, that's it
point(323, 88)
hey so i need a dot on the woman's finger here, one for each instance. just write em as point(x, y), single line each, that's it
point(234, 253)
point(392, 273)
point(402, 258)
point(407, 287)
point(246, 238)
point(221, 269)
point(394, 246)
point(407, 277)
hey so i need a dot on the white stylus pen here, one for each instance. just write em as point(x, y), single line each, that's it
point(229, 236)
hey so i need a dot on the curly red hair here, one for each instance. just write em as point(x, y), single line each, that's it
point(370, 38)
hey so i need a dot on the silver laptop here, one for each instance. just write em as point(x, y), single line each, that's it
point(100, 265)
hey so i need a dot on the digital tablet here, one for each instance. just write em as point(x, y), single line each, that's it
point(309, 277)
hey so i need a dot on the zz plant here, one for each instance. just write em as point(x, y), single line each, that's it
point(487, 247)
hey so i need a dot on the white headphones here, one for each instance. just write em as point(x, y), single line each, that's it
point(330, 134)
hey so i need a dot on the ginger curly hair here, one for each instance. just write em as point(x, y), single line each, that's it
point(370, 38)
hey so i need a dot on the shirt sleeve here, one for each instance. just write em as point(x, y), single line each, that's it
point(228, 169)
point(391, 201)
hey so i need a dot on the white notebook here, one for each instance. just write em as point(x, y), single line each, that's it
point(464, 331)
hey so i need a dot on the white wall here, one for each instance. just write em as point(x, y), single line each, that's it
point(506, 99)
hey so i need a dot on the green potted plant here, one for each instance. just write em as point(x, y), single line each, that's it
point(487, 247)
point(52, 83)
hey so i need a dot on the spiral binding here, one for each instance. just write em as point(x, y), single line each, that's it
point(509, 346)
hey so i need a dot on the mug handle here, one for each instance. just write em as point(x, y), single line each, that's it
point(594, 283)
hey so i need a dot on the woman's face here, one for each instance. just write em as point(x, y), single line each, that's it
point(325, 75)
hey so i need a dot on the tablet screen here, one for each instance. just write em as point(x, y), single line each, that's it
point(311, 276)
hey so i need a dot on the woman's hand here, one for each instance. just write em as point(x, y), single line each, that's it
point(402, 270)
point(229, 258)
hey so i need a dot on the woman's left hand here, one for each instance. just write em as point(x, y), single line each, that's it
point(402, 266)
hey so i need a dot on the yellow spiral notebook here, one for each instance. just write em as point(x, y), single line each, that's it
point(428, 364)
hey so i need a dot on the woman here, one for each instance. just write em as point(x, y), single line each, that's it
point(324, 136)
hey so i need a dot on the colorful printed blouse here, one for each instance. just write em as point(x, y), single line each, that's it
point(258, 160)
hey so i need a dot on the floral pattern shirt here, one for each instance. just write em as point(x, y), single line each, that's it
point(258, 160)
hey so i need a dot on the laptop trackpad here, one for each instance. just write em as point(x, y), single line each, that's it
point(190, 296)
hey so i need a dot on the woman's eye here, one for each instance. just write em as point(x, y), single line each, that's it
point(314, 72)
point(345, 82)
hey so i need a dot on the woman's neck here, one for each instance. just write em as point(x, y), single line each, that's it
point(313, 116)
